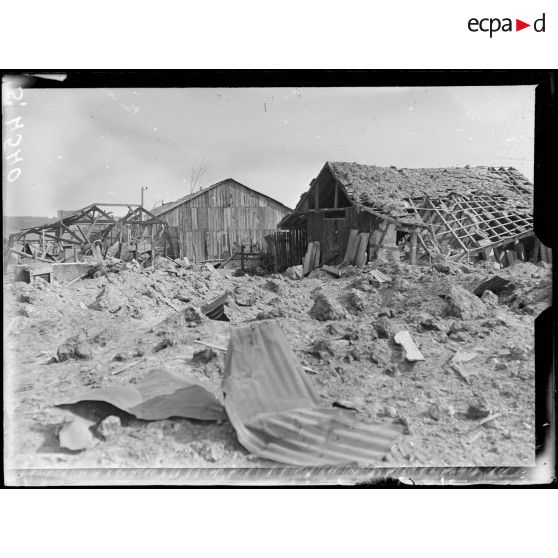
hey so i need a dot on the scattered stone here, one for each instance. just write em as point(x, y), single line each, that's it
point(357, 299)
point(272, 286)
point(442, 268)
point(204, 355)
point(319, 348)
point(325, 308)
point(405, 423)
point(163, 344)
point(463, 356)
point(519, 353)
point(460, 337)
point(351, 355)
point(109, 426)
point(294, 273)
point(388, 411)
point(477, 410)
point(109, 299)
point(432, 324)
point(410, 350)
point(75, 348)
point(77, 435)
point(384, 328)
point(332, 329)
point(271, 314)
point(464, 304)
point(244, 298)
point(390, 371)
point(434, 412)
point(489, 298)
point(119, 357)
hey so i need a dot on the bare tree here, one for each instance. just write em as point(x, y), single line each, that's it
point(197, 172)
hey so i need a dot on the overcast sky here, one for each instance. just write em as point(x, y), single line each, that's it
point(94, 145)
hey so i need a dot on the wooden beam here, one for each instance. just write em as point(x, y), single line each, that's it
point(413, 249)
point(336, 199)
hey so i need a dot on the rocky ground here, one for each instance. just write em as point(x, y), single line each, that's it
point(479, 359)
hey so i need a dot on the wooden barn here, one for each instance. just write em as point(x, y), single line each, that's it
point(215, 222)
point(452, 213)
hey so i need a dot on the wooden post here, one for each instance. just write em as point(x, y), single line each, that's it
point(535, 257)
point(152, 247)
point(413, 249)
point(242, 257)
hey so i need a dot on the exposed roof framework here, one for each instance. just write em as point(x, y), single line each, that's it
point(81, 229)
point(469, 224)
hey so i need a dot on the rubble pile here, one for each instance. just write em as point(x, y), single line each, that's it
point(387, 342)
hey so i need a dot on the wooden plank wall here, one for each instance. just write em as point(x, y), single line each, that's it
point(216, 223)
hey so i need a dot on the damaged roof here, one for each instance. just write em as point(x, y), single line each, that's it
point(387, 188)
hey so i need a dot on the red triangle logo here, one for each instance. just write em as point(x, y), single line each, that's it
point(519, 25)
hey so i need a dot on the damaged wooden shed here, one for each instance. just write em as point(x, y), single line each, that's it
point(217, 221)
point(457, 213)
point(93, 232)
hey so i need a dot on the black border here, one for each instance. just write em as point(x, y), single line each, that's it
point(545, 204)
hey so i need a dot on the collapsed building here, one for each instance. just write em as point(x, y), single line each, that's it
point(214, 223)
point(87, 236)
point(459, 214)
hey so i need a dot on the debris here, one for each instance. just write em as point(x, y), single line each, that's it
point(163, 344)
point(410, 350)
point(83, 306)
point(325, 309)
point(161, 395)
point(169, 303)
point(129, 365)
point(77, 279)
point(294, 272)
point(76, 435)
point(108, 299)
point(217, 348)
point(357, 300)
point(489, 298)
point(498, 285)
point(462, 356)
point(442, 268)
point(464, 304)
point(75, 348)
point(215, 310)
point(243, 297)
point(271, 314)
point(379, 277)
point(488, 419)
point(277, 414)
point(384, 328)
point(109, 426)
point(518, 353)
point(204, 355)
point(433, 324)
point(477, 411)
point(335, 271)
point(458, 370)
point(312, 257)
point(434, 412)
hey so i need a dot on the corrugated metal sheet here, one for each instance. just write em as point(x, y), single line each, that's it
point(161, 395)
point(277, 414)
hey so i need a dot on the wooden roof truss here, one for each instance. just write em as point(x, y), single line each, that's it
point(462, 226)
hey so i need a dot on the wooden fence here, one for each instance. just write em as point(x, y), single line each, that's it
point(287, 247)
